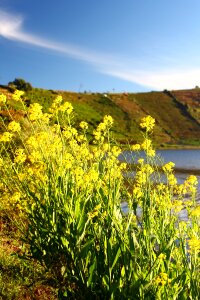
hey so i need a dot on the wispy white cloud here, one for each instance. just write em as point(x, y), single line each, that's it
point(11, 27)
point(159, 80)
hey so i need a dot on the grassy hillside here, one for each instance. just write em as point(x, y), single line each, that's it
point(177, 113)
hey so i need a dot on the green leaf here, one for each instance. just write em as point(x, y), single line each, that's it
point(91, 272)
point(116, 258)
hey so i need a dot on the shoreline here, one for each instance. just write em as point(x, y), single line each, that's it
point(177, 147)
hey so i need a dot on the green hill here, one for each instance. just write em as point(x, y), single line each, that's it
point(177, 113)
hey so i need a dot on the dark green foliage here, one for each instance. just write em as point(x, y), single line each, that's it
point(20, 84)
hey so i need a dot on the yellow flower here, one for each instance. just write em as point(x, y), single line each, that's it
point(2, 98)
point(58, 99)
point(20, 156)
point(146, 145)
point(196, 212)
point(108, 121)
point(35, 156)
point(192, 180)
point(136, 147)
point(116, 151)
point(32, 142)
point(151, 152)
point(66, 107)
point(17, 95)
point(140, 161)
point(167, 168)
point(162, 256)
point(194, 244)
point(14, 126)
point(16, 197)
point(177, 205)
point(191, 183)
point(97, 135)
point(35, 112)
point(148, 123)
point(69, 132)
point(162, 279)
point(172, 180)
point(83, 125)
point(6, 137)
point(137, 192)
point(46, 117)
point(1, 162)
point(81, 138)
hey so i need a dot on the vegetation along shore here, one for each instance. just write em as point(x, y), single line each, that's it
point(64, 232)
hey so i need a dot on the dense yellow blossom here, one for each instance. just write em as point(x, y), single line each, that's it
point(6, 137)
point(66, 107)
point(168, 167)
point(194, 244)
point(58, 99)
point(162, 279)
point(20, 156)
point(196, 212)
point(69, 132)
point(136, 147)
point(1, 162)
point(17, 95)
point(35, 112)
point(83, 125)
point(108, 120)
point(147, 123)
point(3, 98)
point(146, 144)
point(172, 181)
point(14, 126)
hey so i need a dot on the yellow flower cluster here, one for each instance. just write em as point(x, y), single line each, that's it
point(14, 126)
point(83, 125)
point(146, 146)
point(168, 168)
point(196, 212)
point(3, 98)
point(136, 147)
point(102, 128)
point(147, 123)
point(69, 132)
point(66, 107)
point(94, 213)
point(35, 112)
point(17, 95)
point(162, 279)
point(6, 137)
point(20, 156)
point(57, 106)
point(194, 244)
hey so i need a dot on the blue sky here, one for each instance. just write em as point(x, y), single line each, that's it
point(107, 45)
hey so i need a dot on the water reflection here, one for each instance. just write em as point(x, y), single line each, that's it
point(187, 162)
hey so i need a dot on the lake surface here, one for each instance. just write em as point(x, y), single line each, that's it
point(187, 161)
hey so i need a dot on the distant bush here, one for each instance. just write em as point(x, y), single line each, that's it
point(20, 84)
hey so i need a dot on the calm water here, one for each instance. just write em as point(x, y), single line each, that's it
point(187, 162)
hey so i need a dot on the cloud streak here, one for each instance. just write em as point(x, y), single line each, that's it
point(159, 80)
point(11, 28)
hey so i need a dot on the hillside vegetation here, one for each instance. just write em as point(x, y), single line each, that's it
point(177, 113)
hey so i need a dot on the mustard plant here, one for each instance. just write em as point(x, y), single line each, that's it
point(69, 190)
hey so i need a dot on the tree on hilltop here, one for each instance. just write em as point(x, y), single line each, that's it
point(20, 84)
